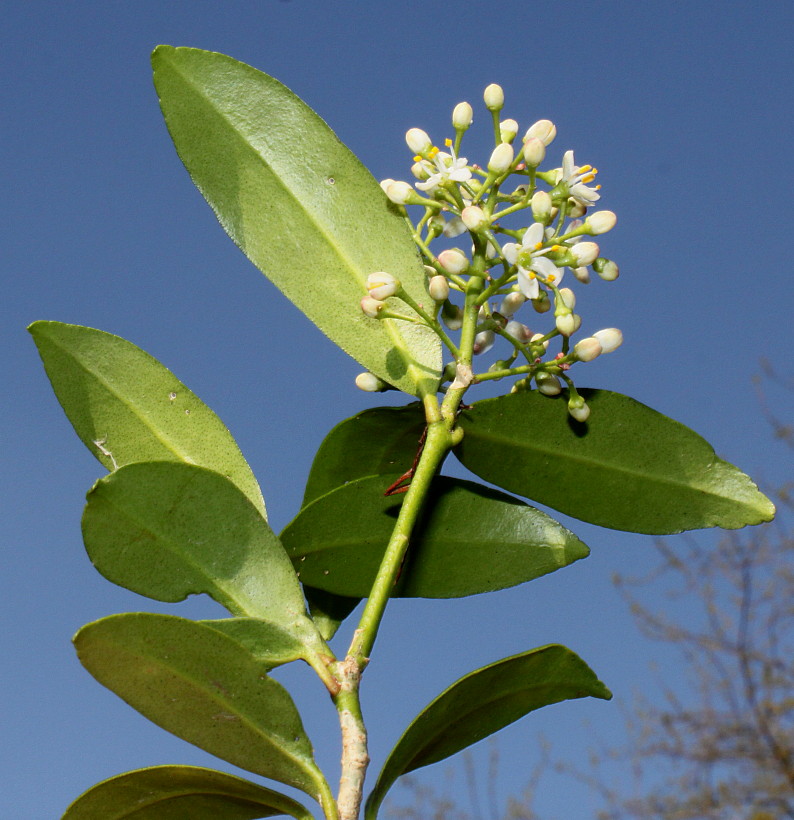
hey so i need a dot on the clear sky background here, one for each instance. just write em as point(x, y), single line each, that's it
point(684, 108)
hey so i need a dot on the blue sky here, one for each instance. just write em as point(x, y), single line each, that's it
point(685, 109)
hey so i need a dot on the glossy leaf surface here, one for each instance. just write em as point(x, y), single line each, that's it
point(471, 540)
point(181, 793)
point(379, 441)
point(483, 702)
point(299, 204)
point(168, 530)
point(204, 687)
point(628, 467)
point(127, 407)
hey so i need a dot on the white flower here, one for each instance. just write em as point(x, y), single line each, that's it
point(575, 178)
point(445, 168)
point(382, 285)
point(539, 264)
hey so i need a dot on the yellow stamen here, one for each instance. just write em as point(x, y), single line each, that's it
point(588, 178)
point(584, 169)
point(557, 248)
point(417, 158)
point(538, 246)
point(447, 142)
point(432, 152)
point(598, 187)
point(550, 278)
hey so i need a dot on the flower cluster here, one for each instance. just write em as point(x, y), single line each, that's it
point(512, 260)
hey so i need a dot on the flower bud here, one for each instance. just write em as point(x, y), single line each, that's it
point(462, 116)
point(452, 316)
point(544, 130)
point(582, 274)
point(568, 298)
point(578, 409)
point(508, 130)
point(400, 193)
point(610, 339)
point(453, 261)
point(418, 140)
point(371, 307)
point(606, 269)
point(370, 383)
point(548, 384)
point(385, 184)
point(419, 170)
point(483, 342)
point(453, 227)
point(542, 303)
point(520, 332)
point(501, 158)
point(382, 285)
point(511, 303)
point(538, 339)
point(541, 206)
point(494, 97)
point(438, 288)
point(585, 253)
point(587, 349)
point(534, 152)
point(474, 218)
point(568, 323)
point(601, 222)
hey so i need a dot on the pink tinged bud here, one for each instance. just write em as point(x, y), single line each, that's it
point(587, 349)
point(400, 193)
point(568, 323)
point(568, 298)
point(585, 253)
point(494, 97)
point(608, 271)
point(483, 342)
point(534, 152)
point(610, 339)
point(511, 303)
point(544, 130)
point(548, 384)
point(453, 261)
point(580, 412)
point(370, 383)
point(418, 141)
point(474, 218)
point(601, 222)
point(582, 274)
point(501, 158)
point(462, 116)
point(520, 332)
point(371, 307)
point(382, 285)
point(508, 130)
point(541, 206)
point(438, 288)
point(419, 170)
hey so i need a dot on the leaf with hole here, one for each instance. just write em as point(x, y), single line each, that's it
point(204, 687)
point(628, 467)
point(179, 793)
point(470, 540)
point(300, 205)
point(483, 702)
point(127, 407)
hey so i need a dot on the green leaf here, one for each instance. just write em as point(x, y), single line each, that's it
point(379, 441)
point(299, 204)
point(181, 793)
point(472, 539)
point(126, 407)
point(268, 642)
point(204, 687)
point(168, 530)
point(483, 702)
point(628, 468)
